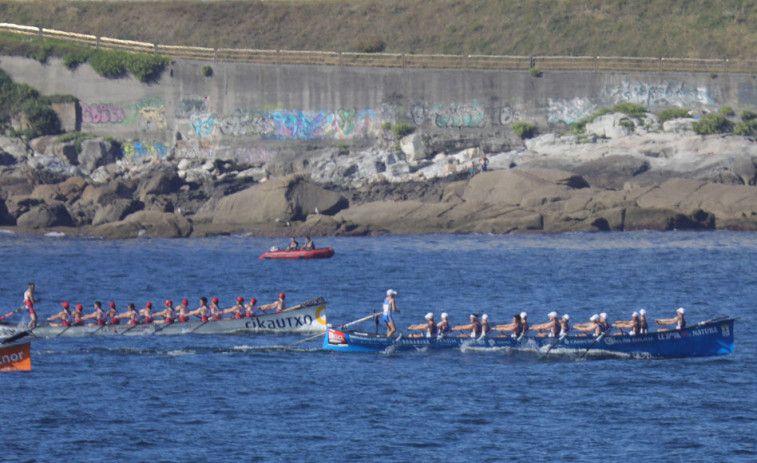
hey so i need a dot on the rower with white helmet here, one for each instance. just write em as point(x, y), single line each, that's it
point(552, 326)
point(485, 328)
point(524, 322)
point(679, 321)
point(565, 325)
point(387, 309)
point(633, 325)
point(443, 327)
point(643, 321)
point(474, 327)
point(429, 326)
point(592, 326)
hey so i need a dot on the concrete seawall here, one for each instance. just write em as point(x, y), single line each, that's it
point(253, 112)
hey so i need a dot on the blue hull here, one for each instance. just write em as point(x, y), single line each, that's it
point(701, 340)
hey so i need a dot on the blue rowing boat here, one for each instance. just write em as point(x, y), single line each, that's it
point(708, 338)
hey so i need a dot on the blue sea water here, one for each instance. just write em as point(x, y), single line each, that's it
point(250, 398)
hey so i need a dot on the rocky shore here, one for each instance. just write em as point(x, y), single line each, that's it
point(611, 179)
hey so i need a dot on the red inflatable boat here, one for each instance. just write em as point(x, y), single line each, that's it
point(321, 253)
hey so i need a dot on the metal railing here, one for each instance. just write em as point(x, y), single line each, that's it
point(399, 60)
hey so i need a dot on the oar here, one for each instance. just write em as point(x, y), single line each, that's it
point(554, 343)
point(340, 327)
point(15, 337)
point(12, 312)
point(308, 303)
point(599, 338)
point(64, 330)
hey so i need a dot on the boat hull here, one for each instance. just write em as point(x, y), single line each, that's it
point(16, 356)
point(704, 339)
point(306, 320)
point(321, 253)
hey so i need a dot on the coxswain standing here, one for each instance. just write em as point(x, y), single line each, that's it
point(147, 313)
point(237, 309)
point(64, 316)
point(98, 315)
point(387, 310)
point(250, 308)
point(279, 304)
point(678, 321)
point(29, 303)
point(474, 327)
point(168, 314)
point(112, 314)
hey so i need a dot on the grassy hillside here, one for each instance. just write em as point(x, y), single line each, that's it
point(675, 28)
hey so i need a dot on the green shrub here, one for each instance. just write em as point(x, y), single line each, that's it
point(627, 123)
point(748, 115)
point(524, 130)
point(386, 126)
point(43, 120)
point(630, 109)
point(108, 63)
point(53, 99)
point(669, 114)
point(712, 124)
point(535, 72)
point(745, 128)
point(76, 137)
point(207, 71)
point(74, 58)
point(403, 129)
point(727, 111)
point(146, 68)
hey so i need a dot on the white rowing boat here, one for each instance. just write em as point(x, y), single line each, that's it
point(308, 317)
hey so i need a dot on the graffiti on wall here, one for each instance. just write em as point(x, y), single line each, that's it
point(105, 113)
point(662, 93)
point(152, 114)
point(141, 150)
point(190, 106)
point(453, 115)
point(569, 111)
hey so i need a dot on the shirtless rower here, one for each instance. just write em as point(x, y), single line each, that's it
point(633, 325)
point(443, 326)
point(203, 312)
point(250, 308)
point(516, 327)
point(430, 327)
point(98, 315)
point(474, 327)
point(215, 312)
point(29, 303)
point(679, 321)
point(168, 314)
point(279, 304)
point(64, 316)
point(237, 309)
point(147, 313)
point(112, 314)
point(78, 315)
point(552, 326)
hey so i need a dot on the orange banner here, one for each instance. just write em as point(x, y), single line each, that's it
point(16, 357)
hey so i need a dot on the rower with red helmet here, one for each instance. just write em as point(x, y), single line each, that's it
point(168, 313)
point(215, 312)
point(279, 305)
point(112, 314)
point(201, 311)
point(64, 316)
point(147, 313)
point(237, 309)
point(251, 307)
point(98, 315)
point(78, 314)
point(181, 310)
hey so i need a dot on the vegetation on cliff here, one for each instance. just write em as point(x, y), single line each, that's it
point(671, 28)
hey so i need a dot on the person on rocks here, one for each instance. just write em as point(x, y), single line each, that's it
point(65, 316)
point(474, 327)
point(388, 308)
point(147, 313)
point(483, 163)
point(293, 245)
point(443, 327)
point(552, 326)
point(633, 325)
point(679, 321)
point(430, 326)
point(516, 327)
point(29, 303)
point(203, 312)
point(237, 310)
point(250, 308)
point(98, 315)
point(309, 245)
point(168, 314)
point(278, 305)
point(112, 314)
